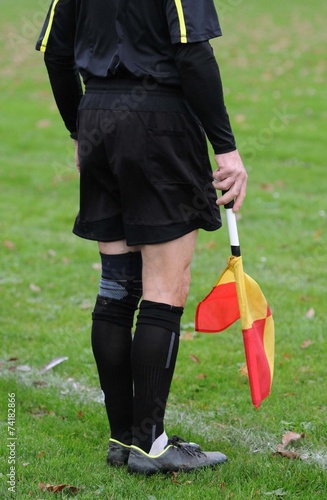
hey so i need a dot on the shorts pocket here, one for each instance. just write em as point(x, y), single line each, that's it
point(168, 156)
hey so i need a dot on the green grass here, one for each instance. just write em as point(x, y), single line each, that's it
point(272, 59)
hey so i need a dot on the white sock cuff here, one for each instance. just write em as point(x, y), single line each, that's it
point(159, 444)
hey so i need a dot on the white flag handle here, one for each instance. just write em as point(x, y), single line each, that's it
point(232, 228)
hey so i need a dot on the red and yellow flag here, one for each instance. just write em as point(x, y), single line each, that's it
point(236, 295)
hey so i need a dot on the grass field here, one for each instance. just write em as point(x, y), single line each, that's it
point(273, 61)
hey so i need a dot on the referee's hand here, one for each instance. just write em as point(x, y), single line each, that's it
point(230, 176)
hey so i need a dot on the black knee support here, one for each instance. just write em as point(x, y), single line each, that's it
point(120, 288)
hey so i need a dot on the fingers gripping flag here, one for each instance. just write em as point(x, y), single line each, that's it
point(236, 295)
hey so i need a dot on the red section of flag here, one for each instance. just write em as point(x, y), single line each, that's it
point(256, 361)
point(220, 310)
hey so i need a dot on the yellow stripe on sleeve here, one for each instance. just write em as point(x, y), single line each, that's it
point(43, 46)
point(182, 27)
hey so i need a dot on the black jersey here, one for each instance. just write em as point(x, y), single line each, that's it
point(113, 37)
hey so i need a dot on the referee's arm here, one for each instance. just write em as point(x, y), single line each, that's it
point(202, 86)
point(66, 87)
point(201, 82)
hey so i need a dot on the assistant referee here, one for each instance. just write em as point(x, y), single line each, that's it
point(153, 95)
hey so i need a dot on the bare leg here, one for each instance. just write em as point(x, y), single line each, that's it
point(166, 270)
point(166, 280)
point(116, 247)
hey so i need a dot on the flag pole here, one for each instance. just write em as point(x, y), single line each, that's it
point(232, 229)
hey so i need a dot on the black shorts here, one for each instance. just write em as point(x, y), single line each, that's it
point(145, 172)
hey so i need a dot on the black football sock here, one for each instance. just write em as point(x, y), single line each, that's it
point(154, 353)
point(120, 291)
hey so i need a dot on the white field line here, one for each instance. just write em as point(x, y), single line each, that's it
point(205, 422)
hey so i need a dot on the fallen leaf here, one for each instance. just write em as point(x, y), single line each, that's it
point(210, 244)
point(244, 370)
point(290, 436)
point(8, 244)
point(21, 368)
point(39, 383)
point(54, 362)
point(35, 288)
point(174, 478)
point(80, 414)
point(267, 187)
point(43, 123)
point(40, 454)
point(310, 313)
point(63, 178)
point(239, 118)
point(287, 394)
point(317, 234)
point(187, 336)
point(287, 453)
point(39, 413)
point(201, 376)
point(194, 358)
point(85, 306)
point(57, 488)
point(306, 344)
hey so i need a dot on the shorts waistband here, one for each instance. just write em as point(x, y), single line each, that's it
point(134, 95)
point(131, 84)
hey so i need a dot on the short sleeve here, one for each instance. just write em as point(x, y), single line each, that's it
point(58, 32)
point(192, 21)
